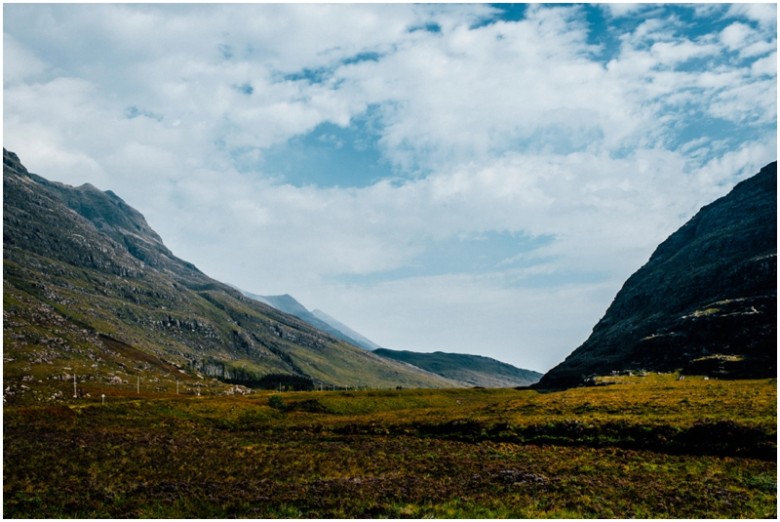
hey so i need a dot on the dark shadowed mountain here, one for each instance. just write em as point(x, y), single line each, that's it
point(91, 290)
point(469, 370)
point(705, 302)
point(289, 305)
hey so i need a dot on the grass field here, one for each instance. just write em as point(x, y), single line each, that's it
point(647, 447)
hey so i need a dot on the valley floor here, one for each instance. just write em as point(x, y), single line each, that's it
point(649, 447)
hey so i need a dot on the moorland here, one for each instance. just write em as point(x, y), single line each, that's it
point(649, 446)
point(135, 386)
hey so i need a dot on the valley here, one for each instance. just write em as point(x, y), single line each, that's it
point(652, 446)
point(91, 291)
point(135, 386)
point(535, 247)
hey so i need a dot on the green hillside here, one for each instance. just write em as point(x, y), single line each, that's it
point(90, 290)
point(469, 370)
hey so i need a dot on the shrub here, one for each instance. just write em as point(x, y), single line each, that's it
point(276, 402)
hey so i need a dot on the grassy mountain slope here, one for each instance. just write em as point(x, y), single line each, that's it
point(705, 302)
point(469, 370)
point(90, 290)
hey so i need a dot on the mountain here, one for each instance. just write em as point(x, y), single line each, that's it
point(705, 302)
point(464, 370)
point(91, 291)
point(289, 305)
point(468, 370)
point(353, 336)
point(286, 303)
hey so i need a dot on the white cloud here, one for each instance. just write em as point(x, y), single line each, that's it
point(735, 35)
point(455, 99)
point(673, 53)
point(763, 13)
point(485, 135)
point(622, 9)
point(19, 64)
point(765, 66)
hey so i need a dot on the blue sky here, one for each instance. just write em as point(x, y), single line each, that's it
point(460, 177)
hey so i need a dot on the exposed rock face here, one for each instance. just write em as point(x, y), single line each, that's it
point(705, 302)
point(88, 283)
point(96, 230)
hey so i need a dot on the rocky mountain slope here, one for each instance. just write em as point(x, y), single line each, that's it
point(705, 302)
point(468, 370)
point(92, 293)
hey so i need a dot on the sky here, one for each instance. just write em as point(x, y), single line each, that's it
point(466, 178)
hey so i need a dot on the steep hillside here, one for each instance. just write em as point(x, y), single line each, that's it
point(705, 302)
point(90, 290)
point(469, 370)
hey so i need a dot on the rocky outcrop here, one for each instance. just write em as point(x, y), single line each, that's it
point(705, 302)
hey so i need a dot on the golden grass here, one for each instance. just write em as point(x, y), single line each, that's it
point(648, 447)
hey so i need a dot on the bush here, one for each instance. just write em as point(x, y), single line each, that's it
point(276, 402)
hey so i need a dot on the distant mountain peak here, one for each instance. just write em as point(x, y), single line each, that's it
point(286, 303)
point(289, 305)
point(362, 340)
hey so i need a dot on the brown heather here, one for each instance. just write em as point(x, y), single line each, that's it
point(648, 447)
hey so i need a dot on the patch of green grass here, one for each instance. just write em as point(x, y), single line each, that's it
point(628, 450)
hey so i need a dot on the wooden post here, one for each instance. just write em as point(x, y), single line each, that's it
point(75, 394)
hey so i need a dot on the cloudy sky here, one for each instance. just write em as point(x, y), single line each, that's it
point(465, 178)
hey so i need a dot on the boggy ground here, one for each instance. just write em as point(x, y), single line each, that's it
point(648, 447)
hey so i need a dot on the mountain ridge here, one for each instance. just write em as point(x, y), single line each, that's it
point(463, 369)
point(470, 370)
point(363, 341)
point(89, 286)
point(288, 304)
point(705, 301)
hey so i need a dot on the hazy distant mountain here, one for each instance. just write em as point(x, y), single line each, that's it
point(357, 338)
point(286, 303)
point(464, 370)
point(90, 288)
point(469, 370)
point(705, 302)
point(289, 305)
